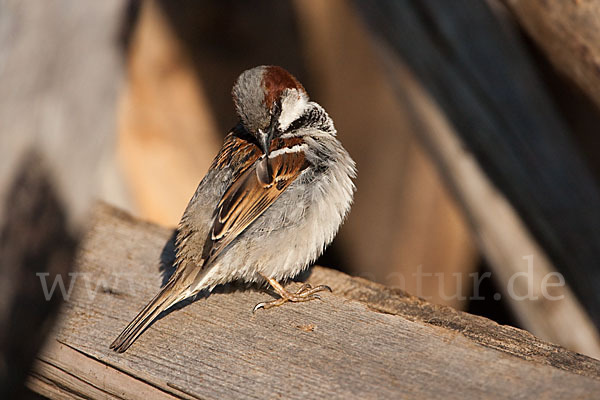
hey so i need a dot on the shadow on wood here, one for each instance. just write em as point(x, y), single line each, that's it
point(35, 246)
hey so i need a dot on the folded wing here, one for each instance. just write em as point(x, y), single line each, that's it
point(250, 195)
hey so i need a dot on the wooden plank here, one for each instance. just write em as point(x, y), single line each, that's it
point(67, 372)
point(552, 313)
point(361, 341)
point(484, 81)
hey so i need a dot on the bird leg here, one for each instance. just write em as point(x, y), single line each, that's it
point(305, 293)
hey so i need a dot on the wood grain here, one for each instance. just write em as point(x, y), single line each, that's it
point(362, 341)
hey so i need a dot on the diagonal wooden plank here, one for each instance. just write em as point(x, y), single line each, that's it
point(482, 77)
point(362, 341)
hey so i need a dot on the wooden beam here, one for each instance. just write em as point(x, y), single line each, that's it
point(484, 81)
point(550, 312)
point(362, 341)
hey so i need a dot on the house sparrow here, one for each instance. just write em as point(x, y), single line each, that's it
point(272, 200)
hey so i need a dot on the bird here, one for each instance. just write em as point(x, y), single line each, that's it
point(272, 200)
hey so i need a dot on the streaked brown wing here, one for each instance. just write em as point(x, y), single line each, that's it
point(236, 150)
point(248, 197)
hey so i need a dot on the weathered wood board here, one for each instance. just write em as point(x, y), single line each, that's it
point(362, 341)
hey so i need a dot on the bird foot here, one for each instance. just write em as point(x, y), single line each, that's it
point(305, 293)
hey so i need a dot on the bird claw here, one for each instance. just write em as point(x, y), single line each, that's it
point(305, 293)
point(325, 287)
point(258, 307)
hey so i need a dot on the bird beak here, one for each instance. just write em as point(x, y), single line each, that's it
point(266, 137)
point(264, 171)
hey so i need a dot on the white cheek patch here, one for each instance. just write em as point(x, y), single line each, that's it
point(293, 104)
point(294, 149)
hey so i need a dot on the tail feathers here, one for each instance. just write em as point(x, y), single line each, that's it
point(168, 296)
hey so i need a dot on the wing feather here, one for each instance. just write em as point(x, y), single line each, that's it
point(249, 196)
